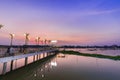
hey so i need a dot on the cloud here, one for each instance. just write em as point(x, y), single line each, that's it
point(99, 12)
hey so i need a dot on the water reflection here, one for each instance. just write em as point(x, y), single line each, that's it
point(68, 67)
point(61, 56)
point(97, 51)
point(53, 63)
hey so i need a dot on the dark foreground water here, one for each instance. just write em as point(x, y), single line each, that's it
point(68, 67)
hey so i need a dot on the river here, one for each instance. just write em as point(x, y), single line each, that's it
point(68, 67)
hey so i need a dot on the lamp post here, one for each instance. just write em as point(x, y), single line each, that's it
point(38, 40)
point(45, 41)
point(11, 37)
point(49, 42)
point(1, 26)
point(42, 42)
point(26, 38)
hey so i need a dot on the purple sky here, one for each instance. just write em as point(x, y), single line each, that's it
point(79, 22)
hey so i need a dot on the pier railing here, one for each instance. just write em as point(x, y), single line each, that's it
point(37, 55)
point(18, 50)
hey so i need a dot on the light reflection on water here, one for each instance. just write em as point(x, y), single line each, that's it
point(69, 67)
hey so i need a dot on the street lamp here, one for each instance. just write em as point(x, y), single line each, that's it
point(38, 40)
point(26, 38)
point(45, 41)
point(11, 37)
point(42, 42)
point(1, 26)
point(49, 41)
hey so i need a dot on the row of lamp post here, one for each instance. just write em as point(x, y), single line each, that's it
point(37, 40)
point(12, 36)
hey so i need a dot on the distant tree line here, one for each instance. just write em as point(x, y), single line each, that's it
point(23, 46)
point(65, 46)
point(104, 46)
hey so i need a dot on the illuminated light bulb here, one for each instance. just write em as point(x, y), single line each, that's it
point(54, 41)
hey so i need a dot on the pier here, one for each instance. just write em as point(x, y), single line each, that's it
point(35, 57)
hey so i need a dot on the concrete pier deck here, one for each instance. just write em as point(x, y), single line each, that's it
point(10, 58)
point(5, 60)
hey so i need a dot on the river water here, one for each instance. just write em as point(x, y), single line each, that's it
point(68, 67)
point(103, 51)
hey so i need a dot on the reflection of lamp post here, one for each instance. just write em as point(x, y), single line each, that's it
point(11, 37)
point(1, 26)
point(26, 38)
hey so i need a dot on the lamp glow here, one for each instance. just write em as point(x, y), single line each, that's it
point(54, 41)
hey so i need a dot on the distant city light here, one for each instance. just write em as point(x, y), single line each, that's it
point(54, 41)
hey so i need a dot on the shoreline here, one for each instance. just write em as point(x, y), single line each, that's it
point(91, 55)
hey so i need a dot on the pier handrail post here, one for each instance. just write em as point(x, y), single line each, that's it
point(26, 59)
point(4, 68)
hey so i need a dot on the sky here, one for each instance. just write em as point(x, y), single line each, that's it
point(71, 22)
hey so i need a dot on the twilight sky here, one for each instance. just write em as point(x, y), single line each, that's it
point(78, 22)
